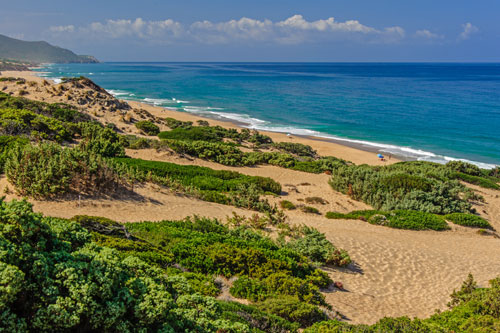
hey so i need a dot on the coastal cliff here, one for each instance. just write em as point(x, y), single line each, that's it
point(39, 52)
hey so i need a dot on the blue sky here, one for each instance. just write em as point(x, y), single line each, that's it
point(219, 30)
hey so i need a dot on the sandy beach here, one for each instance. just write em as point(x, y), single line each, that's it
point(396, 272)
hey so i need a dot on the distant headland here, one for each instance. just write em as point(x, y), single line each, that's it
point(14, 51)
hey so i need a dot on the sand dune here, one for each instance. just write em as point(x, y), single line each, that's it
point(396, 272)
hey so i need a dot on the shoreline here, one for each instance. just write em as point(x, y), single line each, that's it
point(401, 152)
point(323, 146)
point(392, 153)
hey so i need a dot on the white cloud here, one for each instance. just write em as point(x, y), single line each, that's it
point(427, 34)
point(62, 28)
point(469, 29)
point(298, 22)
point(292, 30)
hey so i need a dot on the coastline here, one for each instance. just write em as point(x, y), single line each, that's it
point(323, 146)
point(345, 148)
point(390, 142)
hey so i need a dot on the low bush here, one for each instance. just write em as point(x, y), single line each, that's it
point(318, 249)
point(413, 220)
point(292, 309)
point(6, 144)
point(468, 220)
point(256, 319)
point(316, 200)
point(309, 210)
point(100, 140)
point(27, 123)
point(48, 170)
point(400, 219)
point(285, 204)
point(354, 215)
point(174, 123)
point(147, 127)
point(59, 111)
point(476, 180)
point(201, 177)
point(275, 285)
point(196, 133)
point(295, 148)
point(418, 186)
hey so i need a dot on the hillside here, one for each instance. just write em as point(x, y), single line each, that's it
point(160, 221)
point(39, 52)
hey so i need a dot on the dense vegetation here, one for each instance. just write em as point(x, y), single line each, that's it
point(91, 273)
point(422, 186)
point(147, 127)
point(472, 309)
point(413, 220)
point(48, 170)
point(53, 277)
point(468, 220)
point(400, 219)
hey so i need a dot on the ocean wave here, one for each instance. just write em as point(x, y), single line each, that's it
point(397, 151)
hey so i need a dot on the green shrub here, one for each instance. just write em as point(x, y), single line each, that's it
point(400, 219)
point(309, 210)
point(285, 204)
point(468, 220)
point(48, 170)
point(28, 123)
point(316, 200)
point(476, 180)
point(318, 249)
point(256, 319)
point(406, 185)
point(192, 134)
point(174, 123)
point(59, 111)
point(6, 144)
point(147, 127)
point(100, 140)
point(295, 148)
point(413, 220)
point(354, 215)
point(201, 177)
point(91, 287)
point(291, 309)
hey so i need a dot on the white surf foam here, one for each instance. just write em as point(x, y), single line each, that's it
point(404, 152)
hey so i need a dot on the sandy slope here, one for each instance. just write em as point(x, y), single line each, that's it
point(396, 272)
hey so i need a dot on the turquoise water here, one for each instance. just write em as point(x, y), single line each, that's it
point(433, 112)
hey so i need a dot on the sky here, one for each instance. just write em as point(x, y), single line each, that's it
point(263, 30)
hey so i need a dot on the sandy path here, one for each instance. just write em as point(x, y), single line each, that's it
point(149, 203)
point(297, 186)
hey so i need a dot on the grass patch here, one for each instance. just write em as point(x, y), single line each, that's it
point(147, 127)
point(285, 204)
point(310, 210)
point(468, 220)
point(400, 219)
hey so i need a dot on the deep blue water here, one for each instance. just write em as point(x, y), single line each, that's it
point(425, 111)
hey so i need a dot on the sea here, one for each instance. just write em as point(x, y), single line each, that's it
point(416, 111)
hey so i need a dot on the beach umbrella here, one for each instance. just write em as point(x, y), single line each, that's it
point(380, 156)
